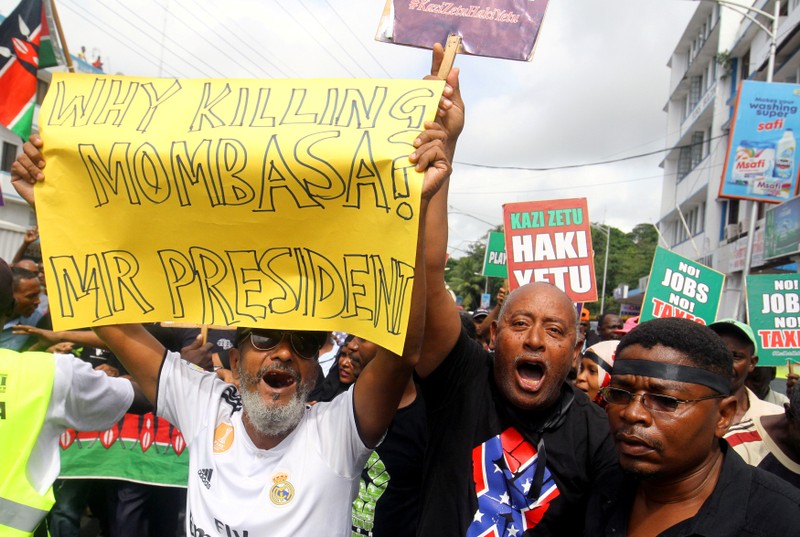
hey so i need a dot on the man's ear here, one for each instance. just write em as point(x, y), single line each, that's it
point(727, 409)
point(492, 334)
point(753, 363)
point(233, 357)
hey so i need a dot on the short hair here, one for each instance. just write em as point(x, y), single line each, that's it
point(467, 324)
point(701, 345)
point(18, 274)
point(6, 289)
point(603, 316)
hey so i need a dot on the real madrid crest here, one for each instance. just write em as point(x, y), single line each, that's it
point(282, 492)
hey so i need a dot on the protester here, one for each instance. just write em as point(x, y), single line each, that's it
point(596, 366)
point(608, 325)
point(259, 458)
point(388, 495)
point(772, 442)
point(483, 318)
point(759, 382)
point(26, 289)
point(741, 342)
point(332, 385)
point(42, 395)
point(512, 445)
point(669, 406)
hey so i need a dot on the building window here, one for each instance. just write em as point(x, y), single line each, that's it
point(694, 222)
point(8, 157)
point(695, 91)
point(697, 148)
point(733, 211)
point(684, 162)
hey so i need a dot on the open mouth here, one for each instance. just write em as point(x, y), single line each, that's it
point(530, 374)
point(277, 379)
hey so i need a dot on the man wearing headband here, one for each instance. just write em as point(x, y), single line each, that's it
point(41, 395)
point(260, 461)
point(513, 449)
point(669, 406)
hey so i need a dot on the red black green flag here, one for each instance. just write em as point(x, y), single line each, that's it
point(20, 35)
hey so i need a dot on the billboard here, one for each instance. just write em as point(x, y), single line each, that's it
point(762, 158)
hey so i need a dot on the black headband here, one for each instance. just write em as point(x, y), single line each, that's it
point(593, 356)
point(681, 373)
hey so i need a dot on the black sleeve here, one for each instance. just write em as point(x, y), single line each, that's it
point(466, 362)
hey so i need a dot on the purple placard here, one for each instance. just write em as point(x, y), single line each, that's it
point(497, 28)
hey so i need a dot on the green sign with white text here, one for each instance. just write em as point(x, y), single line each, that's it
point(773, 308)
point(494, 264)
point(680, 287)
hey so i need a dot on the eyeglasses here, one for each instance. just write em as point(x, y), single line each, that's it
point(651, 401)
point(305, 344)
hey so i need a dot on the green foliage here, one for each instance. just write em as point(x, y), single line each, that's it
point(630, 256)
point(463, 275)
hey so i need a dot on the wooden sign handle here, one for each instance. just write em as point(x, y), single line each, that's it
point(450, 51)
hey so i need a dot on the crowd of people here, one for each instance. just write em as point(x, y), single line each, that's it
point(514, 421)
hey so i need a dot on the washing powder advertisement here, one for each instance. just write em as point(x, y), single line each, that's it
point(762, 156)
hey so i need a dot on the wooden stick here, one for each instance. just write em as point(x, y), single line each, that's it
point(450, 51)
point(204, 333)
point(61, 37)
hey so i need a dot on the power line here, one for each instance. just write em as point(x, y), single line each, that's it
point(223, 39)
point(87, 15)
point(246, 39)
point(358, 40)
point(311, 34)
point(588, 164)
point(333, 37)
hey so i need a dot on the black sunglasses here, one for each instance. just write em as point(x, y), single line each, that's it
point(305, 344)
point(651, 401)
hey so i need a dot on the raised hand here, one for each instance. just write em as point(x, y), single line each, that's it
point(27, 169)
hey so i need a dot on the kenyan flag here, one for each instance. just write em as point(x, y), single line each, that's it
point(20, 35)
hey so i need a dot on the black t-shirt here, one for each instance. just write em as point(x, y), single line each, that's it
point(482, 455)
point(746, 501)
point(388, 500)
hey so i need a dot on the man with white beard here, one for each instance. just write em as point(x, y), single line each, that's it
point(260, 461)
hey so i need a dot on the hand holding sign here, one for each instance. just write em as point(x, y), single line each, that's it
point(27, 169)
point(450, 113)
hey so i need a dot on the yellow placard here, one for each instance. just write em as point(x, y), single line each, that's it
point(273, 203)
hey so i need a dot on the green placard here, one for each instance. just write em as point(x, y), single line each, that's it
point(494, 264)
point(773, 308)
point(680, 287)
point(782, 229)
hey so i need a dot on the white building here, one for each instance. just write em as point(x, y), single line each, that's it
point(719, 48)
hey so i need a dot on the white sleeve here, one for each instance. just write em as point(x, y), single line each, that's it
point(340, 443)
point(85, 399)
point(185, 393)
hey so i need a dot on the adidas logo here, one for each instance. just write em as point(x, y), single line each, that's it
point(205, 476)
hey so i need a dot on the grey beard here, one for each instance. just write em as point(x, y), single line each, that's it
point(269, 420)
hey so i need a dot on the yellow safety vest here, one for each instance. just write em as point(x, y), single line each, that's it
point(26, 384)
